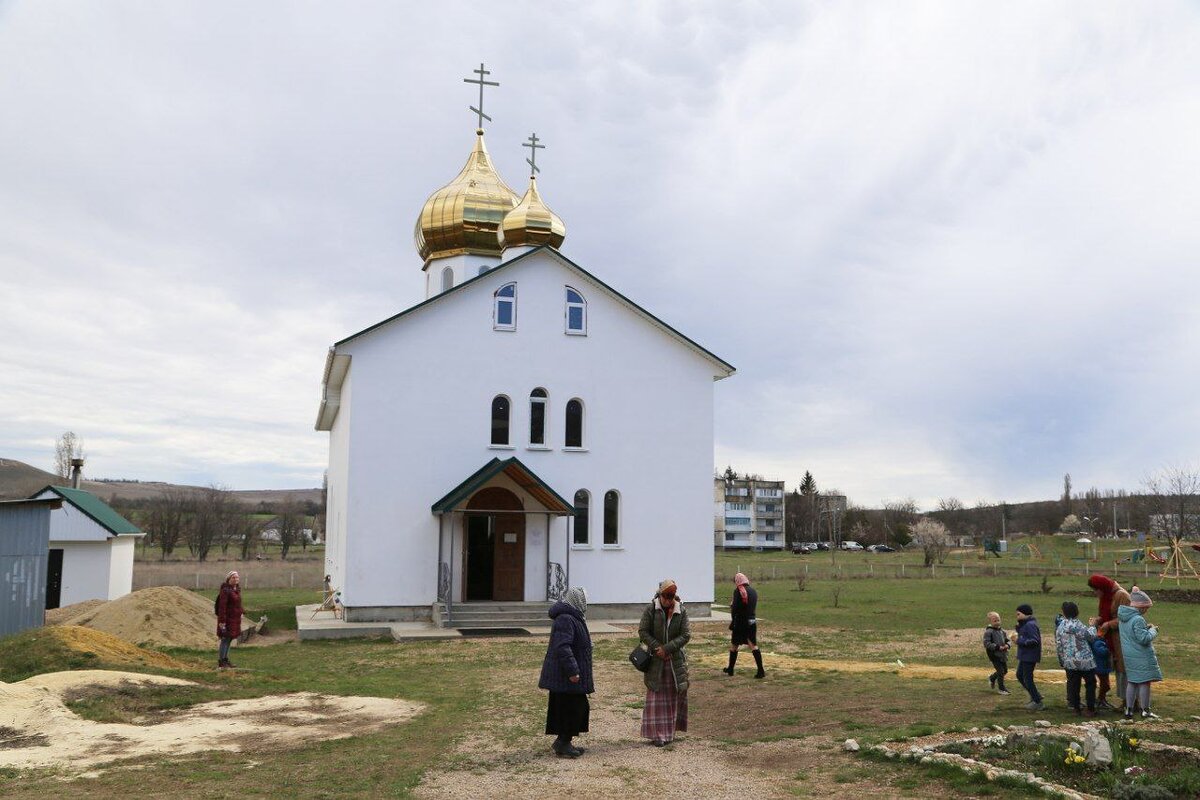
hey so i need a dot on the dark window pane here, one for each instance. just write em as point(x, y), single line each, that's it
point(574, 436)
point(504, 312)
point(573, 296)
point(507, 291)
point(575, 318)
point(500, 420)
point(611, 501)
point(537, 422)
point(538, 393)
point(582, 501)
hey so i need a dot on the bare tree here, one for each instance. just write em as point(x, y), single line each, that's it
point(898, 519)
point(68, 447)
point(290, 522)
point(933, 539)
point(249, 531)
point(1174, 494)
point(1066, 495)
point(167, 519)
point(212, 518)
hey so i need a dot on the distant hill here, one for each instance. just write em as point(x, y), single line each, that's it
point(19, 480)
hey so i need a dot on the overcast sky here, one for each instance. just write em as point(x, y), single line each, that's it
point(951, 247)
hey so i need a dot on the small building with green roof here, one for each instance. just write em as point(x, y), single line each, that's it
point(91, 549)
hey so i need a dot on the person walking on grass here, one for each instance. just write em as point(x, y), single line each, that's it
point(567, 673)
point(664, 630)
point(745, 624)
point(1028, 638)
point(1137, 647)
point(1072, 640)
point(995, 644)
point(229, 617)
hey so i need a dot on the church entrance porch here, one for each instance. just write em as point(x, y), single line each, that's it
point(494, 567)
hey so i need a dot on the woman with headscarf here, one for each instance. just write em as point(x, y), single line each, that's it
point(229, 617)
point(745, 624)
point(567, 672)
point(664, 630)
point(1111, 597)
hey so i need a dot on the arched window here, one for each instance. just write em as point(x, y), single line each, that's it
point(504, 313)
point(576, 313)
point(612, 514)
point(500, 415)
point(447, 279)
point(583, 501)
point(537, 416)
point(574, 434)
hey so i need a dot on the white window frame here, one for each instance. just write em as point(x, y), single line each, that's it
point(506, 445)
point(584, 545)
point(447, 279)
point(545, 403)
point(497, 300)
point(604, 524)
point(568, 304)
point(582, 446)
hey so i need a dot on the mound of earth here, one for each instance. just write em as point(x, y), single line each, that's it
point(61, 616)
point(161, 616)
point(109, 649)
point(39, 730)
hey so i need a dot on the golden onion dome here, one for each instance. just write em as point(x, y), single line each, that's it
point(532, 222)
point(464, 216)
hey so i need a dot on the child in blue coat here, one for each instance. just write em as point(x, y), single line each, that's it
point(1103, 670)
point(1137, 649)
point(1028, 637)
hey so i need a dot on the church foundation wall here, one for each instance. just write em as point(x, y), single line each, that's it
point(389, 613)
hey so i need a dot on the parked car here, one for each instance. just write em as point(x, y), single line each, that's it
point(853, 546)
point(800, 549)
point(823, 546)
point(881, 548)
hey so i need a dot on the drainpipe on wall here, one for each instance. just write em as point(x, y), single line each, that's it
point(76, 472)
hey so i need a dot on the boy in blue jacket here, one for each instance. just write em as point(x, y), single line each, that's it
point(1103, 670)
point(1029, 652)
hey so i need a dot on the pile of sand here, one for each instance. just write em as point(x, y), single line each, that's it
point(109, 648)
point(162, 616)
point(60, 616)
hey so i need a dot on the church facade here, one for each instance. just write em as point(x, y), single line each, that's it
point(524, 429)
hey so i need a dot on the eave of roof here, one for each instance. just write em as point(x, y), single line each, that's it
point(99, 511)
point(520, 474)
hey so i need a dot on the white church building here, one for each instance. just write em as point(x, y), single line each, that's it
point(524, 428)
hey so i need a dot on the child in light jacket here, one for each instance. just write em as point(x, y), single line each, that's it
point(1137, 649)
point(1072, 639)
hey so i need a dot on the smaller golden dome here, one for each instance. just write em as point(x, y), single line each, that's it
point(532, 222)
point(464, 216)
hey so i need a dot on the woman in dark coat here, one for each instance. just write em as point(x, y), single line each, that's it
point(664, 630)
point(229, 617)
point(744, 625)
point(567, 672)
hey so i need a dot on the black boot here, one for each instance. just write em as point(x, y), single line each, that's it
point(758, 660)
point(732, 660)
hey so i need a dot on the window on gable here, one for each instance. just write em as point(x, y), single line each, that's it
point(583, 500)
point(574, 432)
point(576, 313)
point(504, 308)
point(500, 417)
point(447, 279)
point(537, 416)
point(612, 509)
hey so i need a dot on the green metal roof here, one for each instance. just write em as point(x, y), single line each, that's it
point(100, 511)
point(522, 475)
point(491, 272)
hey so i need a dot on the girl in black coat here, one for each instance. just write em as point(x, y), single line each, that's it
point(744, 624)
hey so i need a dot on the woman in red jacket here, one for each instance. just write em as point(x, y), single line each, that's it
point(229, 617)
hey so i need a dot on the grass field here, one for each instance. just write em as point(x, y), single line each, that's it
point(827, 648)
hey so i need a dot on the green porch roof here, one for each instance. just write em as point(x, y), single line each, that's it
point(520, 474)
point(100, 511)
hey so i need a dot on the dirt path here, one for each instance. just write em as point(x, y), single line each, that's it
point(38, 730)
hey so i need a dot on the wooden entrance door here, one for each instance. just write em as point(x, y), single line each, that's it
point(508, 538)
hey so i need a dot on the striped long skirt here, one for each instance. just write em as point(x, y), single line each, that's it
point(666, 710)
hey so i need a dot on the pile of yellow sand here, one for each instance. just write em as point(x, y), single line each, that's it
point(109, 648)
point(162, 616)
point(60, 616)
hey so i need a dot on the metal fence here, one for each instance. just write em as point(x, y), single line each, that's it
point(992, 569)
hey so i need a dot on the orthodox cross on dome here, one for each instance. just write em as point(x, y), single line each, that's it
point(533, 146)
point(482, 81)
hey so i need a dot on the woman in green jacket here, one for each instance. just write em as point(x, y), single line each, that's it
point(664, 631)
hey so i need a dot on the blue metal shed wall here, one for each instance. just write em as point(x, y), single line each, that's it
point(24, 548)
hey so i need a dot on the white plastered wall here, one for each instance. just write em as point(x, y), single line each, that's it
point(86, 571)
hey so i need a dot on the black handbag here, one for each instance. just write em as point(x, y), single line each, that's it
point(640, 658)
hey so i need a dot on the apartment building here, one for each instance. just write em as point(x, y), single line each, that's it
point(748, 514)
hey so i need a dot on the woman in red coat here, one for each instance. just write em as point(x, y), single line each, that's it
point(229, 617)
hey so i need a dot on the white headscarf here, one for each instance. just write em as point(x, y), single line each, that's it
point(577, 599)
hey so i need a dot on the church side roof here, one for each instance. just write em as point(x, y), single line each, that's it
point(724, 365)
point(99, 511)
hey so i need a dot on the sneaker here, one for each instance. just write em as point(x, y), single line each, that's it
point(1004, 692)
point(1128, 715)
point(992, 681)
point(1148, 714)
point(1035, 706)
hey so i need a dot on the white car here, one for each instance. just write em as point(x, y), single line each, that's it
point(848, 545)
